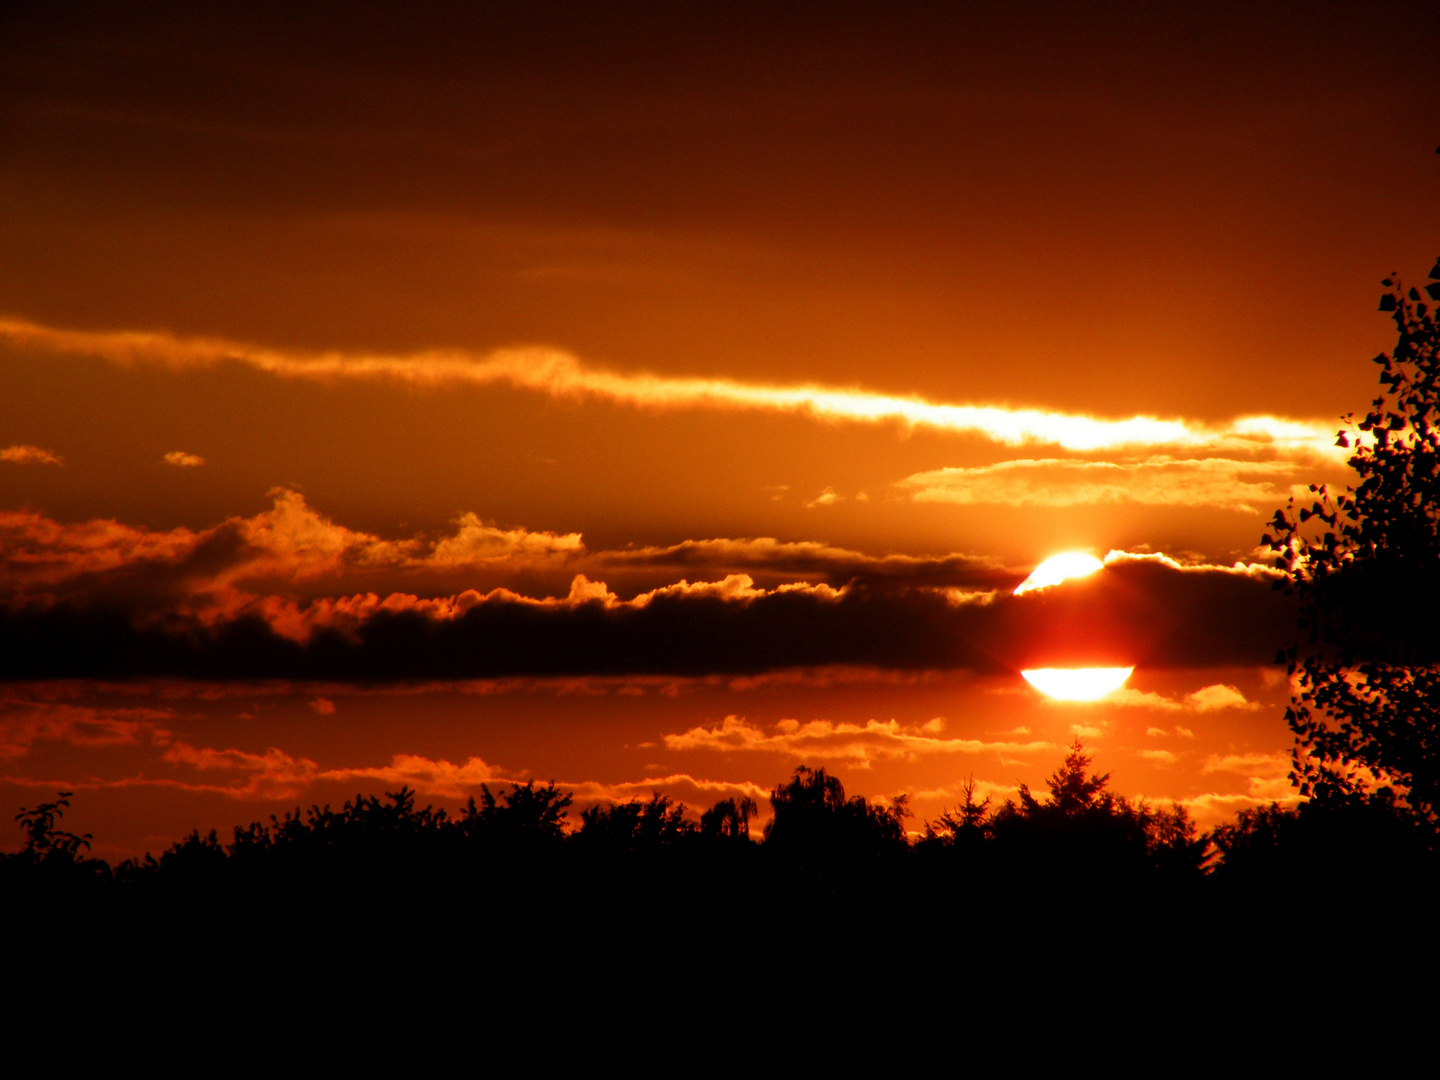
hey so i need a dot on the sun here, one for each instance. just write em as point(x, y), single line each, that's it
point(1058, 568)
point(1077, 684)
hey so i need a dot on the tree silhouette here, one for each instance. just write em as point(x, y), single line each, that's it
point(50, 862)
point(1365, 565)
point(42, 839)
point(529, 816)
point(813, 818)
point(967, 825)
point(1087, 832)
point(1072, 792)
point(635, 827)
point(729, 819)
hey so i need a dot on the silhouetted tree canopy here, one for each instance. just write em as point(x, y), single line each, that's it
point(814, 820)
point(1366, 567)
point(1084, 830)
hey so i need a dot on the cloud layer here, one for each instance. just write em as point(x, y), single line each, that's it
point(104, 599)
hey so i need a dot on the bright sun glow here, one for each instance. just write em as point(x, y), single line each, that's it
point(1058, 568)
point(1077, 684)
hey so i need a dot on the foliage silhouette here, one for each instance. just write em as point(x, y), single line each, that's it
point(42, 839)
point(1365, 565)
point(635, 827)
point(967, 826)
point(812, 819)
point(50, 862)
point(511, 879)
point(1363, 852)
point(1086, 833)
point(527, 816)
point(729, 820)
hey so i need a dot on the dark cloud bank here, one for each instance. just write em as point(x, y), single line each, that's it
point(1139, 610)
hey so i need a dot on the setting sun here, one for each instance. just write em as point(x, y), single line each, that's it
point(1058, 568)
point(656, 402)
point(1077, 684)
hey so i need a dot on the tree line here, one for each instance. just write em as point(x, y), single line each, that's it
point(818, 842)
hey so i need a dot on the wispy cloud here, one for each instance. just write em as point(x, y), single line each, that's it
point(25, 722)
point(826, 740)
point(30, 455)
point(559, 374)
point(1267, 766)
point(1160, 480)
point(1206, 699)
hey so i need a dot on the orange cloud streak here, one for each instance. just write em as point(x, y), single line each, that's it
point(559, 374)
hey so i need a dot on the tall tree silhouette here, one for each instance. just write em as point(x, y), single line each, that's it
point(1365, 564)
point(1087, 832)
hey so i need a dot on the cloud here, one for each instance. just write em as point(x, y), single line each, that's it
point(1212, 808)
point(184, 460)
point(476, 542)
point(24, 722)
point(216, 569)
point(1206, 699)
point(682, 786)
point(1161, 480)
point(100, 598)
point(30, 455)
point(1267, 766)
point(558, 374)
point(275, 774)
point(280, 776)
point(809, 559)
point(1148, 612)
point(826, 740)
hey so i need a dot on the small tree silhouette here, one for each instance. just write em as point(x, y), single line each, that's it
point(967, 824)
point(729, 819)
point(1072, 792)
point(42, 839)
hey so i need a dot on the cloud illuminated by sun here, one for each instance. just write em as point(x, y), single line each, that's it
point(1058, 568)
point(1077, 684)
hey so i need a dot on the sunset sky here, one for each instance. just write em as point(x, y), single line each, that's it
point(660, 396)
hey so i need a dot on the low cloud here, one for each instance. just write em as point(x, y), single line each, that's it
point(184, 460)
point(826, 740)
point(30, 455)
point(1222, 483)
point(1206, 699)
point(23, 723)
point(1268, 766)
point(1212, 808)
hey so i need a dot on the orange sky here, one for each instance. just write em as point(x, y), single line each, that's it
point(647, 397)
